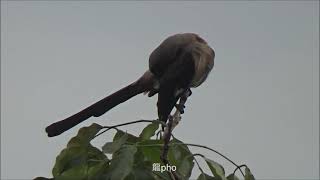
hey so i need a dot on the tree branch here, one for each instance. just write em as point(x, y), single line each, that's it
point(165, 150)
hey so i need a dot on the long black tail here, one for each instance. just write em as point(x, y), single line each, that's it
point(100, 107)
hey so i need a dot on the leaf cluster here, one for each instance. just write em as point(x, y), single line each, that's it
point(132, 158)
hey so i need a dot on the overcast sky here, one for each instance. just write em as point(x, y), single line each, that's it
point(259, 106)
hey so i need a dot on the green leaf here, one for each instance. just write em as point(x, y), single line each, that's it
point(204, 176)
point(157, 175)
point(98, 171)
point(232, 177)
point(248, 175)
point(150, 153)
point(69, 158)
point(95, 154)
point(77, 172)
point(75, 161)
point(177, 151)
point(85, 135)
point(111, 147)
point(131, 138)
point(151, 150)
point(149, 131)
point(121, 164)
point(141, 171)
point(216, 169)
point(180, 156)
point(185, 167)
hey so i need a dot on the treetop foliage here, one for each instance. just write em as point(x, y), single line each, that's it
point(133, 158)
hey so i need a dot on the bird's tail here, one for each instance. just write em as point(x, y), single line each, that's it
point(97, 109)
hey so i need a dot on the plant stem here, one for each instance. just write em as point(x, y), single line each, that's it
point(107, 128)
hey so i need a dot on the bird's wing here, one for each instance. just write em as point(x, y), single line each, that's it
point(176, 77)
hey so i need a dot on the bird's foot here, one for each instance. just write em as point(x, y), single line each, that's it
point(180, 108)
point(188, 93)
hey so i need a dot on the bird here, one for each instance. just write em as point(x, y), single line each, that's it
point(181, 62)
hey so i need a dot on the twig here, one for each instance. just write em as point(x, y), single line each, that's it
point(127, 123)
point(198, 162)
point(239, 167)
point(105, 131)
point(205, 147)
point(133, 122)
point(166, 140)
point(158, 133)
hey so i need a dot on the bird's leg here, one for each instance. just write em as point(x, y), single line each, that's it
point(180, 108)
point(183, 99)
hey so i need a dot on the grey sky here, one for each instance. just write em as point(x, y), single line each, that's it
point(260, 105)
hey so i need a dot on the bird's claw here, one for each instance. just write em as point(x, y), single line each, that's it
point(180, 108)
point(188, 93)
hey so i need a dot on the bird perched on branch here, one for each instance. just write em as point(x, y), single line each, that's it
point(180, 62)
